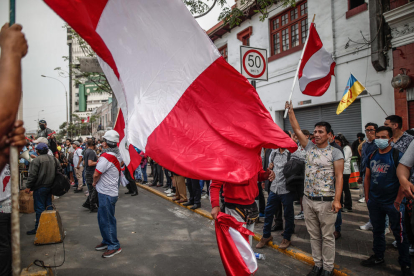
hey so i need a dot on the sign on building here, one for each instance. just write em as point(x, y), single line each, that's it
point(253, 63)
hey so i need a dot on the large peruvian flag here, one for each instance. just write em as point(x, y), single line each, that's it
point(317, 66)
point(183, 104)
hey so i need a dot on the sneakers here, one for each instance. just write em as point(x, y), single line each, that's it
point(372, 261)
point(263, 242)
point(168, 191)
point(394, 243)
point(111, 253)
point(101, 247)
point(300, 215)
point(205, 196)
point(285, 244)
point(316, 271)
point(367, 226)
point(387, 230)
point(362, 200)
point(171, 194)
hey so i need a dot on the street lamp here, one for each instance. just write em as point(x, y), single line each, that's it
point(66, 96)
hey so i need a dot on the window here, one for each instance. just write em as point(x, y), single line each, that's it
point(288, 31)
point(223, 52)
point(244, 36)
point(355, 7)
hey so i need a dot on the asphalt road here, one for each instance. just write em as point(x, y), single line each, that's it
point(156, 236)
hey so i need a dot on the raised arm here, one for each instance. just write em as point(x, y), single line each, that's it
point(295, 125)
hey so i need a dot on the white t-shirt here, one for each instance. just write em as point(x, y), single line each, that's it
point(76, 155)
point(109, 168)
point(348, 156)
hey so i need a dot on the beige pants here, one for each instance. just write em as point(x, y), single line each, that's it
point(320, 222)
point(236, 215)
point(78, 173)
point(180, 188)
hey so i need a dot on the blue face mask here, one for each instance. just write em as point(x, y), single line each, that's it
point(381, 143)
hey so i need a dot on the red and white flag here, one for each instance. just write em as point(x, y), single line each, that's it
point(236, 253)
point(183, 104)
point(129, 155)
point(317, 66)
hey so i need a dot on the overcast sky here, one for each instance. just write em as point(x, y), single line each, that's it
point(47, 46)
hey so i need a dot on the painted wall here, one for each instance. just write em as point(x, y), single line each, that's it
point(334, 30)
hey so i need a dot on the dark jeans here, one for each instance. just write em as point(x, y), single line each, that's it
point(168, 177)
point(377, 213)
point(338, 221)
point(272, 202)
point(158, 174)
point(144, 173)
point(107, 221)
point(42, 198)
point(347, 203)
point(5, 244)
point(261, 199)
point(193, 186)
point(74, 178)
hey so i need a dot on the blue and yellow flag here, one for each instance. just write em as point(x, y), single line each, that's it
point(352, 90)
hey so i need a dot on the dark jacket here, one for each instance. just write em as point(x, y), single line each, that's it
point(42, 172)
point(265, 164)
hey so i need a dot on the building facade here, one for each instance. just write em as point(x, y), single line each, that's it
point(346, 28)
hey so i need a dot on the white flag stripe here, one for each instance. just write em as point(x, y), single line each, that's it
point(317, 67)
point(155, 63)
point(244, 249)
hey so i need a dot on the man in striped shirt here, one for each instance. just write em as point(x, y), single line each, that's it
point(105, 180)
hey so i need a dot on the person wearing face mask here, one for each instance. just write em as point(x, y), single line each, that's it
point(44, 130)
point(400, 139)
point(381, 191)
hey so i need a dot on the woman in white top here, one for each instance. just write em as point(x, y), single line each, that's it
point(341, 141)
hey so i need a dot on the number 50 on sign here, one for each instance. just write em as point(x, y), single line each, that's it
point(253, 63)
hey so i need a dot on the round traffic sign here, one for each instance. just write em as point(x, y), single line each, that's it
point(254, 64)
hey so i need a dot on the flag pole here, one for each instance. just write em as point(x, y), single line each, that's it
point(14, 170)
point(297, 69)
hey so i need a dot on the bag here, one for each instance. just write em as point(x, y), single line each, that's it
point(61, 184)
point(294, 172)
point(70, 158)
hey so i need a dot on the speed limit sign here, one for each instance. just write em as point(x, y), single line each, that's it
point(253, 63)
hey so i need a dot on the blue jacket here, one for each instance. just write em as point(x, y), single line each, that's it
point(366, 151)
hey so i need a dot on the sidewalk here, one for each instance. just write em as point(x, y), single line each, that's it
point(354, 246)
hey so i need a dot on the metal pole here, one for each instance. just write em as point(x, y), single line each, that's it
point(253, 82)
point(66, 96)
point(14, 169)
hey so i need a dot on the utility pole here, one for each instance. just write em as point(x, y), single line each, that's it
point(69, 42)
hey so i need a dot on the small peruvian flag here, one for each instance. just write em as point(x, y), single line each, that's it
point(316, 67)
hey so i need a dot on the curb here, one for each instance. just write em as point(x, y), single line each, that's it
point(292, 252)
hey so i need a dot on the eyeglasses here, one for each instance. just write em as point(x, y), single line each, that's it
point(369, 130)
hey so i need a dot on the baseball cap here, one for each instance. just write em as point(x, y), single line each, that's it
point(41, 140)
point(42, 146)
point(76, 143)
point(42, 122)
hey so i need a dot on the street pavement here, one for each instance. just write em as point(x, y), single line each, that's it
point(354, 246)
point(157, 238)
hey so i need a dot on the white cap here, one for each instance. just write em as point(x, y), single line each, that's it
point(111, 136)
point(41, 140)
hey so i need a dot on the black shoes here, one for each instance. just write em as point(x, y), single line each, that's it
point(31, 232)
point(78, 191)
point(327, 273)
point(195, 206)
point(372, 261)
point(188, 203)
point(316, 271)
point(128, 193)
point(406, 271)
point(134, 194)
point(87, 206)
point(277, 228)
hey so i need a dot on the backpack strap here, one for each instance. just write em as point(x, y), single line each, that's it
point(289, 155)
point(372, 154)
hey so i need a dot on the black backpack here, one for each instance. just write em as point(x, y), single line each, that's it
point(61, 184)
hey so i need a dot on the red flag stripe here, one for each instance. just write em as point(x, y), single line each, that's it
point(314, 44)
